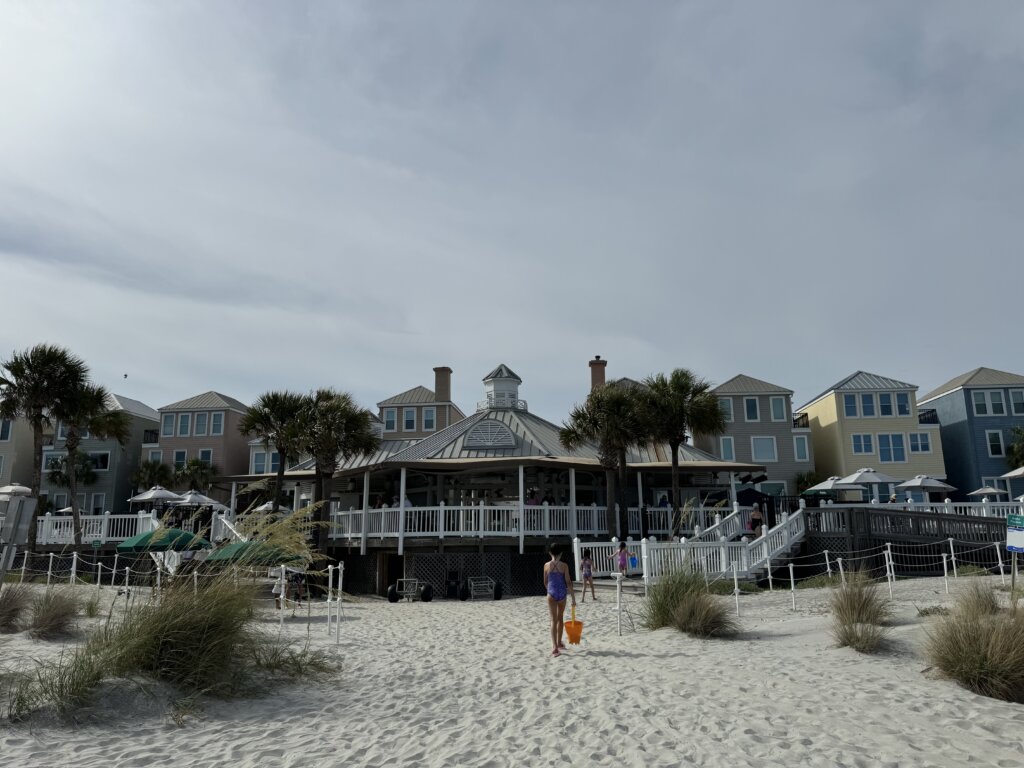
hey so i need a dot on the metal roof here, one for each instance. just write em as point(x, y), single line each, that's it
point(862, 380)
point(748, 385)
point(414, 396)
point(134, 407)
point(208, 400)
point(979, 377)
point(502, 372)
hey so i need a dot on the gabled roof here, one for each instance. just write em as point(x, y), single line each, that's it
point(862, 380)
point(502, 372)
point(414, 396)
point(979, 377)
point(626, 383)
point(134, 407)
point(208, 400)
point(748, 385)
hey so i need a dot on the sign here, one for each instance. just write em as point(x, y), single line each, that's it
point(1015, 533)
point(95, 543)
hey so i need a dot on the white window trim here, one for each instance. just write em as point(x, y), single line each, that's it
point(174, 457)
point(102, 504)
point(874, 405)
point(199, 454)
point(892, 405)
point(163, 424)
point(988, 443)
point(60, 500)
point(10, 430)
point(195, 424)
point(757, 405)
point(896, 404)
point(178, 432)
point(906, 447)
point(96, 453)
point(853, 447)
point(721, 447)
point(270, 462)
point(856, 405)
point(433, 413)
point(415, 420)
point(394, 421)
point(775, 449)
point(771, 407)
point(1012, 412)
point(996, 482)
point(252, 465)
point(807, 449)
point(159, 455)
point(222, 417)
point(731, 413)
point(986, 395)
point(919, 434)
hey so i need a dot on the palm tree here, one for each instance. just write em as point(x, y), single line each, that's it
point(611, 418)
point(276, 417)
point(152, 473)
point(334, 429)
point(1015, 450)
point(31, 384)
point(57, 470)
point(195, 474)
point(674, 408)
point(87, 408)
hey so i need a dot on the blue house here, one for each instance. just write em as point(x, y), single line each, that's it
point(977, 413)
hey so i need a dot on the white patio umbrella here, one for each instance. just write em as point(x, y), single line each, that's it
point(65, 511)
point(268, 506)
point(195, 499)
point(15, 490)
point(985, 490)
point(868, 476)
point(1013, 474)
point(834, 483)
point(925, 483)
point(156, 493)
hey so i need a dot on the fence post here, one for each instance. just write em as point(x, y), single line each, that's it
point(949, 507)
point(49, 569)
point(999, 558)
point(768, 561)
point(945, 572)
point(105, 527)
point(113, 571)
point(736, 588)
point(99, 573)
point(576, 558)
point(725, 553)
point(842, 573)
point(828, 565)
point(952, 557)
point(547, 521)
point(330, 586)
point(890, 572)
point(441, 520)
point(24, 562)
point(792, 585)
point(74, 568)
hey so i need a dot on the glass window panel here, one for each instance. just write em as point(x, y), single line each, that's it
point(390, 419)
point(778, 409)
point(752, 411)
point(902, 404)
point(5, 429)
point(998, 407)
point(180, 458)
point(1017, 402)
point(726, 404)
point(156, 455)
point(995, 442)
point(800, 447)
point(409, 419)
point(206, 455)
point(428, 419)
point(763, 448)
point(850, 405)
point(259, 462)
point(201, 419)
point(184, 424)
point(217, 423)
point(980, 406)
point(168, 425)
point(727, 453)
point(885, 403)
point(275, 461)
point(867, 405)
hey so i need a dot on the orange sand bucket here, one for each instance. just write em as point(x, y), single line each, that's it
point(574, 629)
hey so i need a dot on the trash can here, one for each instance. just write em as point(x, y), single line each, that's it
point(451, 585)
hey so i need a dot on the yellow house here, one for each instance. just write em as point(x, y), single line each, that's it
point(867, 420)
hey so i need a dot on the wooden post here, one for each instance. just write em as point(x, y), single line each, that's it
point(573, 529)
point(522, 516)
point(828, 565)
point(366, 513)
point(792, 585)
point(952, 557)
point(999, 558)
point(401, 513)
point(945, 572)
point(24, 562)
point(842, 573)
point(736, 588)
point(105, 527)
point(1013, 583)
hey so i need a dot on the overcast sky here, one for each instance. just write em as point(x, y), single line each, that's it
point(250, 196)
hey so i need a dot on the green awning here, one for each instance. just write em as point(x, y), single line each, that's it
point(162, 540)
point(251, 552)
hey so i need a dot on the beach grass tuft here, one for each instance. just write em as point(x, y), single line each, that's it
point(819, 581)
point(703, 615)
point(14, 601)
point(858, 612)
point(663, 597)
point(53, 614)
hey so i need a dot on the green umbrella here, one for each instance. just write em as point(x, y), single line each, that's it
point(163, 539)
point(254, 552)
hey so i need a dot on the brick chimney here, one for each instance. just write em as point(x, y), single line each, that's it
point(443, 384)
point(597, 366)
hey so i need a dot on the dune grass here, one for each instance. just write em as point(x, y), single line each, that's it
point(972, 570)
point(53, 614)
point(725, 587)
point(663, 597)
point(704, 615)
point(681, 599)
point(858, 612)
point(14, 601)
point(980, 646)
point(819, 581)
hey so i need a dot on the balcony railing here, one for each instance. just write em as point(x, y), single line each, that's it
point(801, 421)
point(928, 416)
point(501, 402)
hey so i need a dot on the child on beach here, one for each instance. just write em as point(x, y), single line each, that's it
point(558, 584)
point(622, 558)
point(587, 572)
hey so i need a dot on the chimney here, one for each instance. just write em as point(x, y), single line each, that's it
point(443, 384)
point(597, 366)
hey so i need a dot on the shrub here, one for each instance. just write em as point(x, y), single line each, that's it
point(977, 600)
point(14, 599)
point(67, 684)
point(858, 611)
point(53, 614)
point(701, 615)
point(821, 580)
point(983, 653)
point(933, 610)
point(666, 594)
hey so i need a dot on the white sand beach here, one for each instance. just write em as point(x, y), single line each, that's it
point(473, 684)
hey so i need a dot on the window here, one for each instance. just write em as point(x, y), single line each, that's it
point(980, 404)
point(100, 460)
point(259, 462)
point(184, 424)
point(201, 419)
point(890, 449)
point(862, 444)
point(850, 406)
point(60, 500)
point(390, 419)
point(62, 431)
point(206, 456)
point(408, 419)
point(902, 404)
point(998, 407)
point(751, 409)
point(994, 438)
point(429, 420)
point(217, 423)
point(727, 452)
point(98, 501)
point(885, 403)
point(726, 405)
point(51, 460)
point(800, 449)
point(867, 405)
point(763, 449)
point(920, 442)
point(179, 459)
point(156, 455)
point(778, 409)
point(275, 461)
point(773, 488)
point(1016, 404)
point(988, 402)
point(167, 430)
point(5, 429)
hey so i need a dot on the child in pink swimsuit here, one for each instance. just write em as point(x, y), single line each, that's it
point(622, 558)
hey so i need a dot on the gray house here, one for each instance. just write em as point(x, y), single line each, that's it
point(15, 452)
point(113, 464)
point(760, 429)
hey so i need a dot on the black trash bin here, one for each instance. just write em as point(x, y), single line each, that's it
point(451, 585)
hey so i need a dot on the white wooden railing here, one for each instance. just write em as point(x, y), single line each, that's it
point(59, 529)
point(971, 509)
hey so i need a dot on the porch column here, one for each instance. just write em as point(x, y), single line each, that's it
point(366, 512)
point(732, 487)
point(640, 502)
point(522, 518)
point(234, 497)
point(572, 501)
point(401, 514)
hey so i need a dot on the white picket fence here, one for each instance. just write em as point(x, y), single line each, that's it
point(998, 509)
point(59, 529)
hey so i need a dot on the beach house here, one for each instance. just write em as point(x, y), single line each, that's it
point(203, 427)
point(15, 452)
point(978, 412)
point(867, 420)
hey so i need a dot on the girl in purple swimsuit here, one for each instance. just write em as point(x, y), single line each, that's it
point(558, 584)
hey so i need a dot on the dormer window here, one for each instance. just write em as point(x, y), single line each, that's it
point(167, 428)
point(408, 419)
point(490, 434)
point(390, 419)
point(429, 419)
